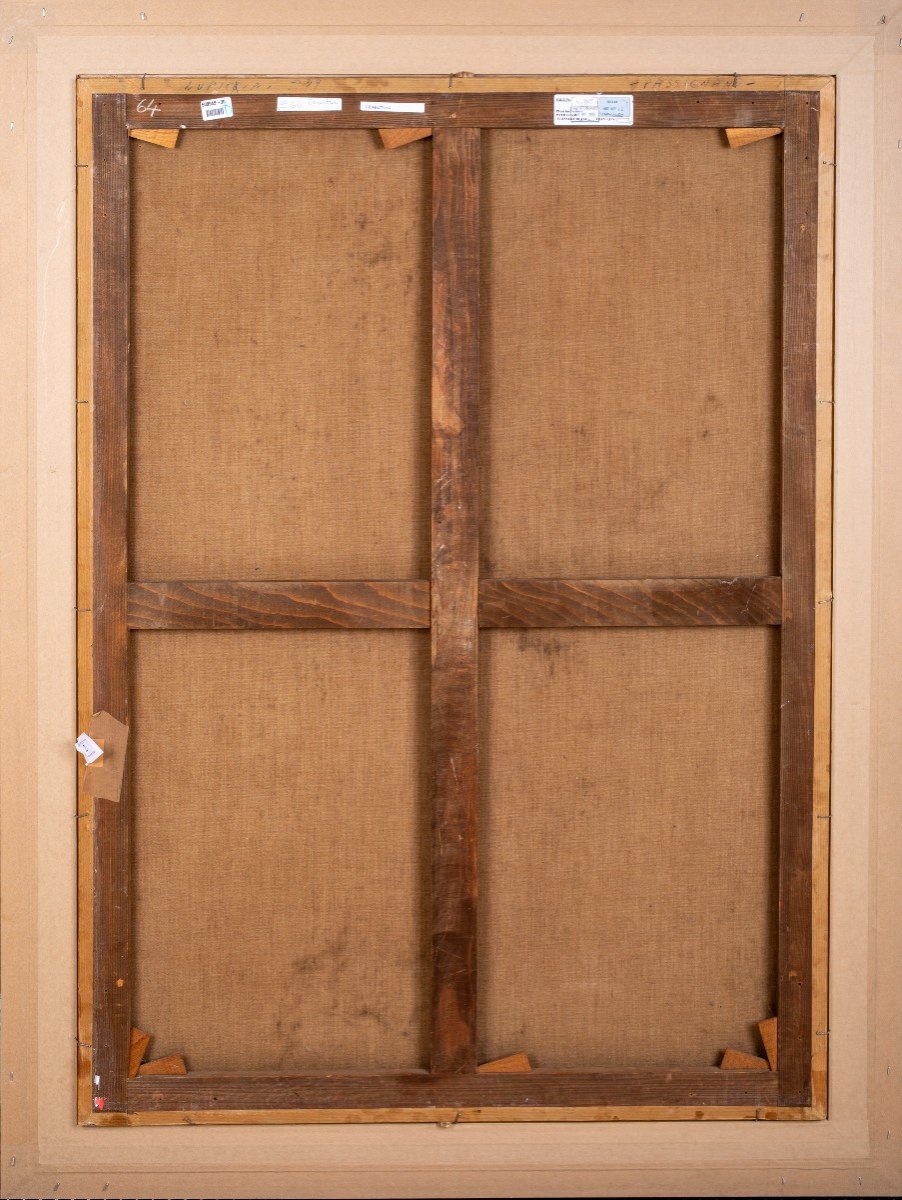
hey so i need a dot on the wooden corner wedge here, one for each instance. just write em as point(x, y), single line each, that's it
point(736, 1060)
point(745, 137)
point(167, 138)
point(513, 1062)
point(136, 1051)
point(768, 1031)
point(173, 1065)
point(392, 138)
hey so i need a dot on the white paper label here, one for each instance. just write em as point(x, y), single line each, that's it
point(88, 748)
point(308, 104)
point(215, 110)
point(588, 108)
point(415, 106)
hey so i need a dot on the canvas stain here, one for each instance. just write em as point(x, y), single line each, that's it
point(332, 957)
point(367, 1013)
point(384, 254)
point(550, 648)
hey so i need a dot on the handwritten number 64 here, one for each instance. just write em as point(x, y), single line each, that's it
point(149, 106)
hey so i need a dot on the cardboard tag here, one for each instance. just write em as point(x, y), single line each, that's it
point(103, 780)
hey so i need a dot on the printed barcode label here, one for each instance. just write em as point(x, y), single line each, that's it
point(411, 106)
point(215, 110)
point(308, 104)
point(588, 108)
point(87, 748)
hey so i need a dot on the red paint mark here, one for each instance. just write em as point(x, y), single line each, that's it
point(100, 1102)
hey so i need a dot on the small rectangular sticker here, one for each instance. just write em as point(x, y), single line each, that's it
point(412, 106)
point(590, 108)
point(215, 110)
point(87, 748)
point(308, 104)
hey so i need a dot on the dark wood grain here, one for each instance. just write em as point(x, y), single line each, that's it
point(223, 604)
point(800, 204)
point(503, 603)
point(572, 603)
point(111, 917)
point(518, 110)
point(416, 1089)
point(455, 588)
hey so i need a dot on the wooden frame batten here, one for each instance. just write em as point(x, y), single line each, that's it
point(464, 1089)
point(111, 1005)
point(496, 110)
point(503, 603)
point(799, 444)
point(455, 594)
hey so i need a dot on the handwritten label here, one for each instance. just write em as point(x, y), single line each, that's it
point(308, 104)
point(215, 110)
point(149, 106)
point(87, 748)
point(412, 106)
point(589, 108)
